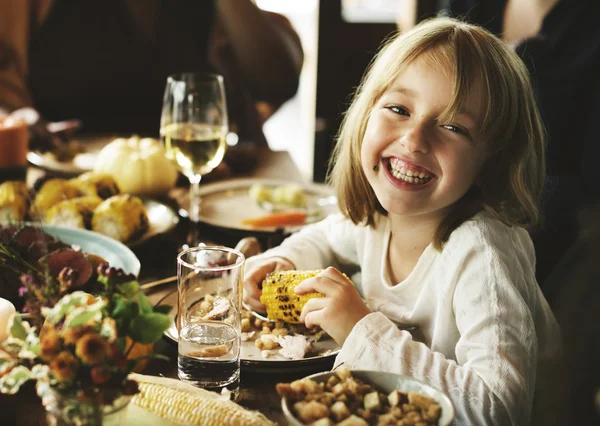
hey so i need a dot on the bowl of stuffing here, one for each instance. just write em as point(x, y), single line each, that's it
point(362, 398)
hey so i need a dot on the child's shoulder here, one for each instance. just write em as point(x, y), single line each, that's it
point(485, 233)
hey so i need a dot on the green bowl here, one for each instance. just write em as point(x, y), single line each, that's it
point(385, 382)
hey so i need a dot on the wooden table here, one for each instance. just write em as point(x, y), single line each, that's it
point(158, 259)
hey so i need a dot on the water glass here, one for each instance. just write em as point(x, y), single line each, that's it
point(208, 320)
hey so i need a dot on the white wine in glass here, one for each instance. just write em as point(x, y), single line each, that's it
point(193, 128)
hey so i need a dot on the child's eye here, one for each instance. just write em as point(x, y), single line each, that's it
point(399, 110)
point(455, 129)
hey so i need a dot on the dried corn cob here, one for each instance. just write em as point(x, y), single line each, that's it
point(279, 298)
point(13, 201)
point(73, 213)
point(52, 192)
point(101, 185)
point(182, 403)
point(122, 217)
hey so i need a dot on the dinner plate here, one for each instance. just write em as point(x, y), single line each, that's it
point(250, 355)
point(161, 219)
point(114, 252)
point(226, 204)
point(81, 163)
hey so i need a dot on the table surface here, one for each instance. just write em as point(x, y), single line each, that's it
point(158, 259)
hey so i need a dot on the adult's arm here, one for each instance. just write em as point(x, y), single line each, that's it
point(267, 49)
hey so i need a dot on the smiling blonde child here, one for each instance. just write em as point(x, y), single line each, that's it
point(438, 170)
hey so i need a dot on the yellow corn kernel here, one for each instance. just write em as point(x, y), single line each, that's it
point(185, 404)
point(279, 298)
point(13, 201)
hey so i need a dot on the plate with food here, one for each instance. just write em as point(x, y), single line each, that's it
point(264, 205)
point(273, 345)
point(91, 201)
point(360, 397)
point(71, 158)
point(26, 245)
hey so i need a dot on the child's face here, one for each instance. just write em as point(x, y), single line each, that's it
point(424, 166)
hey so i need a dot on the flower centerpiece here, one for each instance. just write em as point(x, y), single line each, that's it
point(85, 348)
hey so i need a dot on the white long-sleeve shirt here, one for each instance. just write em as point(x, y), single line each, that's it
point(485, 330)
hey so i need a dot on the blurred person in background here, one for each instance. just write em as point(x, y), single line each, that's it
point(559, 41)
point(105, 63)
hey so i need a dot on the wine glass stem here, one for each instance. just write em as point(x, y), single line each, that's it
point(195, 198)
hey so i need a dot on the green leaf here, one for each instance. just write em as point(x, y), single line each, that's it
point(82, 318)
point(17, 329)
point(121, 343)
point(163, 309)
point(128, 289)
point(145, 305)
point(148, 328)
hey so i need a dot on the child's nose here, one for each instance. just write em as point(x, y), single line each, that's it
point(415, 139)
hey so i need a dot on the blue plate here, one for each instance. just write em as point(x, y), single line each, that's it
point(114, 252)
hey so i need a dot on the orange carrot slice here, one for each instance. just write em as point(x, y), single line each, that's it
point(277, 219)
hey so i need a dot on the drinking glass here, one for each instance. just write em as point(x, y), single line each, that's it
point(208, 319)
point(193, 128)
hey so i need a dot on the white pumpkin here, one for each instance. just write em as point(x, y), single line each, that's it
point(139, 166)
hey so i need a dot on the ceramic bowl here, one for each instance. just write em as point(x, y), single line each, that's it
point(385, 382)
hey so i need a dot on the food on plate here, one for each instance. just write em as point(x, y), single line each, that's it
point(14, 200)
point(122, 217)
point(289, 195)
point(277, 338)
point(51, 192)
point(73, 213)
point(139, 166)
point(278, 219)
point(279, 298)
point(100, 185)
point(346, 401)
point(73, 203)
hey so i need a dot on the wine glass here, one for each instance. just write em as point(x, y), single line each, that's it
point(193, 128)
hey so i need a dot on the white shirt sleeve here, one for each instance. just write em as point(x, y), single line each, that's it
point(491, 382)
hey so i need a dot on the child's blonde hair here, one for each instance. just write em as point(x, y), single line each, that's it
point(511, 180)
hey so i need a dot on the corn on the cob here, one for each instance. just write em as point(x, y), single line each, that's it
point(122, 217)
point(73, 213)
point(13, 201)
point(279, 298)
point(182, 403)
point(52, 192)
point(101, 185)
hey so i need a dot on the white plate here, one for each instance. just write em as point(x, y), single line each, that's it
point(250, 355)
point(81, 163)
point(114, 252)
point(226, 204)
point(161, 219)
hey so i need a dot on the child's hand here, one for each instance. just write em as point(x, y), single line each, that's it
point(255, 276)
point(341, 308)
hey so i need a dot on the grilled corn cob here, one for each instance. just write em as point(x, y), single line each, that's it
point(182, 403)
point(279, 298)
point(13, 201)
point(52, 192)
point(122, 217)
point(101, 185)
point(73, 213)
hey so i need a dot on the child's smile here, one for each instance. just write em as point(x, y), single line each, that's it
point(402, 172)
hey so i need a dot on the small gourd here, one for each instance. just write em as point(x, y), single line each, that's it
point(139, 166)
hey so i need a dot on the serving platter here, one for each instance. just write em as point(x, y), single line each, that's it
point(325, 350)
point(228, 203)
point(114, 252)
point(80, 163)
point(161, 219)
